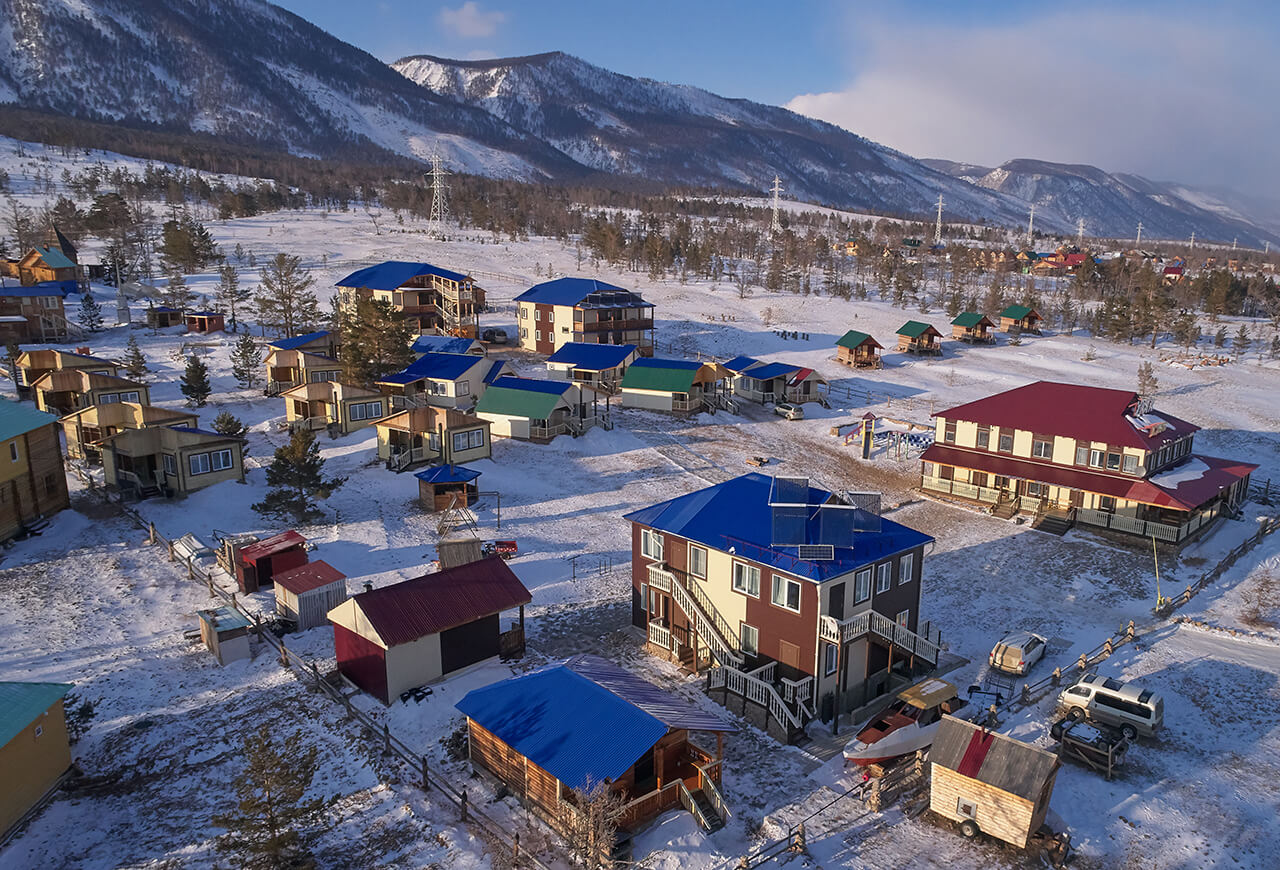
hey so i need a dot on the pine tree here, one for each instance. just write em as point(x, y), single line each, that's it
point(195, 382)
point(271, 803)
point(1220, 337)
point(1240, 344)
point(134, 362)
point(375, 341)
point(1147, 382)
point(296, 480)
point(90, 313)
point(230, 294)
point(245, 361)
point(286, 304)
point(230, 425)
point(177, 294)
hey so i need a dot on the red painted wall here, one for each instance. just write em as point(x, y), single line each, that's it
point(362, 661)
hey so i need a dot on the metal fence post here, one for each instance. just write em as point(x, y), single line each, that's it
point(464, 805)
point(426, 774)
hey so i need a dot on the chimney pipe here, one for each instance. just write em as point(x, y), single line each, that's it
point(368, 586)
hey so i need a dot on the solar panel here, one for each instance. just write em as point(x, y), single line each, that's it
point(816, 552)
point(836, 525)
point(867, 513)
point(788, 526)
point(789, 491)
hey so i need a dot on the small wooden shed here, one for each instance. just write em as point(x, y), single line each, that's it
point(162, 316)
point(205, 321)
point(989, 782)
point(307, 593)
point(859, 350)
point(225, 631)
point(917, 337)
point(441, 487)
point(259, 563)
point(974, 328)
point(1020, 318)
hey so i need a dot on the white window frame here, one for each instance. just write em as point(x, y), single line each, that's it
point(537, 314)
point(644, 597)
point(1000, 448)
point(108, 398)
point(1097, 458)
point(198, 463)
point(906, 568)
point(651, 544)
point(221, 460)
point(537, 335)
point(170, 465)
point(831, 659)
point(781, 594)
point(752, 574)
point(884, 577)
point(461, 440)
point(1047, 445)
point(1082, 455)
point(862, 586)
point(694, 548)
point(551, 316)
point(903, 618)
point(749, 648)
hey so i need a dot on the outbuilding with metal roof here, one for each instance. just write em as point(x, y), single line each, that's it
point(35, 751)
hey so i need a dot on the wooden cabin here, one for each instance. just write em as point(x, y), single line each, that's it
point(399, 637)
point(532, 410)
point(85, 429)
point(1020, 318)
point(35, 313)
point(288, 368)
point(415, 436)
point(335, 406)
point(443, 380)
point(598, 366)
point(42, 265)
point(225, 632)
point(35, 364)
point(33, 483)
point(170, 460)
point(35, 750)
point(305, 594)
point(677, 385)
point(163, 316)
point(257, 564)
point(758, 381)
point(859, 350)
point(444, 486)
point(561, 731)
point(988, 782)
point(974, 328)
point(66, 391)
point(205, 321)
point(919, 338)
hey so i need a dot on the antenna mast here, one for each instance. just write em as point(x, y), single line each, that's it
point(937, 228)
point(1193, 244)
point(776, 226)
point(1080, 232)
point(1031, 223)
point(1138, 243)
point(439, 198)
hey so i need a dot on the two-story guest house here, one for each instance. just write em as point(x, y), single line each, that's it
point(1077, 454)
point(553, 313)
point(435, 300)
point(802, 602)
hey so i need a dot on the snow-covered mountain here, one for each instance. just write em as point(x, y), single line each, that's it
point(1112, 204)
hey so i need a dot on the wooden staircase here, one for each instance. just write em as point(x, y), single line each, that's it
point(708, 810)
point(1055, 522)
point(1005, 509)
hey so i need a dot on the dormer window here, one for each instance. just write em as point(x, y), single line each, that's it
point(949, 433)
point(1113, 461)
point(984, 438)
point(1130, 464)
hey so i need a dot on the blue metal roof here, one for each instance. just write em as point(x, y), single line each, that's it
point(395, 273)
point(740, 364)
point(652, 362)
point(495, 370)
point(17, 419)
point(23, 703)
point(440, 366)
point(592, 357)
point(566, 291)
point(442, 344)
point(447, 474)
point(166, 308)
point(297, 341)
point(194, 431)
point(45, 288)
point(567, 723)
point(531, 385)
point(672, 710)
point(737, 514)
point(771, 370)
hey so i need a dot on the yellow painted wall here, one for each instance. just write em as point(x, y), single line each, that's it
point(966, 434)
point(29, 765)
point(9, 469)
point(719, 588)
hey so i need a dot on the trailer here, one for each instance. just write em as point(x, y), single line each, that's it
point(1096, 746)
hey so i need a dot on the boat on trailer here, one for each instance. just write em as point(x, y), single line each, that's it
point(906, 725)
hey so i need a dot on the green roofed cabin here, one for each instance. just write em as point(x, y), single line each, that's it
point(974, 328)
point(34, 748)
point(920, 338)
point(677, 385)
point(859, 350)
point(533, 410)
point(1017, 319)
point(33, 483)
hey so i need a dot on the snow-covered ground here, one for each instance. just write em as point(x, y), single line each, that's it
point(83, 604)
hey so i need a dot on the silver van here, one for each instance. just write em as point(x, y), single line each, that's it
point(1132, 709)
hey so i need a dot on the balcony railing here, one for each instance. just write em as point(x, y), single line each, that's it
point(1167, 532)
point(870, 621)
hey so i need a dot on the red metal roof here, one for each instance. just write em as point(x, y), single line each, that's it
point(1187, 495)
point(404, 612)
point(1072, 411)
point(310, 576)
point(271, 546)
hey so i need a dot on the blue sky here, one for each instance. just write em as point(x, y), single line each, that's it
point(1171, 90)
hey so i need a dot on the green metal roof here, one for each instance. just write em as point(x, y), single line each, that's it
point(968, 319)
point(518, 403)
point(54, 258)
point(914, 329)
point(17, 419)
point(22, 703)
point(1017, 312)
point(660, 378)
point(853, 339)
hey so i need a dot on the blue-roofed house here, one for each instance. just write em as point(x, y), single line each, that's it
point(447, 344)
point(302, 359)
point(34, 313)
point(165, 316)
point(810, 591)
point(553, 313)
point(565, 729)
point(534, 410)
point(441, 380)
point(33, 483)
point(35, 750)
point(598, 366)
point(436, 300)
point(417, 436)
point(759, 381)
point(678, 385)
point(333, 406)
point(170, 460)
point(323, 342)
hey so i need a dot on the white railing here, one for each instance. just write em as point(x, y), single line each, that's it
point(755, 691)
point(871, 621)
point(766, 673)
point(1029, 503)
point(686, 404)
point(547, 431)
point(1169, 532)
point(713, 794)
point(964, 490)
point(408, 403)
point(724, 401)
point(659, 579)
point(405, 458)
point(695, 604)
point(314, 424)
point(687, 801)
point(799, 692)
point(986, 493)
point(659, 636)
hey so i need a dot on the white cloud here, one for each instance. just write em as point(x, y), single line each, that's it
point(469, 22)
point(1163, 96)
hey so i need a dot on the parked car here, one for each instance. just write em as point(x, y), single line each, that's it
point(494, 336)
point(789, 411)
point(1016, 652)
point(1129, 707)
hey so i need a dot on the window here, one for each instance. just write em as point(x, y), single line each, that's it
point(131, 396)
point(537, 314)
point(1037, 489)
point(906, 568)
point(831, 659)
point(698, 561)
point(13, 451)
point(978, 478)
point(966, 808)
point(746, 579)
point(50, 302)
point(949, 433)
point(565, 330)
point(903, 618)
point(1113, 462)
point(468, 440)
point(203, 463)
point(651, 544)
point(524, 313)
point(438, 388)
point(1042, 448)
point(644, 597)
point(524, 332)
point(1130, 464)
point(1096, 458)
point(537, 335)
point(221, 460)
point(170, 465)
point(749, 639)
point(551, 316)
point(786, 593)
point(464, 388)
point(884, 576)
point(928, 469)
point(366, 410)
point(108, 398)
point(199, 463)
point(862, 586)
point(1006, 442)
point(1107, 503)
point(1082, 456)
point(984, 437)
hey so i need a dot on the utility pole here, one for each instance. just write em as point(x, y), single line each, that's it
point(776, 226)
point(1138, 243)
point(439, 199)
point(1031, 223)
point(1192, 249)
point(937, 228)
point(1080, 232)
point(1233, 245)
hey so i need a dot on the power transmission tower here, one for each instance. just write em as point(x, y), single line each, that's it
point(439, 198)
point(1031, 223)
point(1080, 232)
point(1233, 245)
point(776, 226)
point(1192, 249)
point(937, 228)
point(1138, 243)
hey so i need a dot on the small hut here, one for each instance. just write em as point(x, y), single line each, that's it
point(259, 563)
point(1020, 318)
point(225, 631)
point(921, 338)
point(205, 321)
point(990, 783)
point(162, 316)
point(441, 487)
point(859, 350)
point(459, 550)
point(974, 328)
point(307, 593)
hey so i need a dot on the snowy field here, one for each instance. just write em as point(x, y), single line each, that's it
point(85, 604)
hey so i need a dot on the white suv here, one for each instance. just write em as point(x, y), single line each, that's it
point(1132, 709)
point(1016, 652)
point(789, 411)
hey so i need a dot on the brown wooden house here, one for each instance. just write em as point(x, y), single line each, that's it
point(441, 487)
point(432, 434)
point(35, 313)
point(205, 321)
point(34, 364)
point(974, 328)
point(339, 407)
point(33, 484)
point(170, 460)
point(85, 429)
point(859, 350)
point(287, 368)
point(919, 338)
point(1020, 318)
point(66, 391)
point(559, 732)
